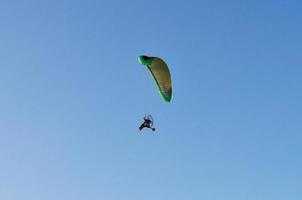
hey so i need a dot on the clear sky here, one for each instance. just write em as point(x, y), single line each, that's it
point(73, 95)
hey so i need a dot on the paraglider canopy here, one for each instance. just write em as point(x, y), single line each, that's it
point(161, 75)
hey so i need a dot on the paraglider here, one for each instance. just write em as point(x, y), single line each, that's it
point(148, 123)
point(162, 77)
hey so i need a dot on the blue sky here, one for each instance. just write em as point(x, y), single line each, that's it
point(73, 96)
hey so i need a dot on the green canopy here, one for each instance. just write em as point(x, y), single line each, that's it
point(161, 75)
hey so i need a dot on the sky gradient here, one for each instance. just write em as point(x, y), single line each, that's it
point(73, 95)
